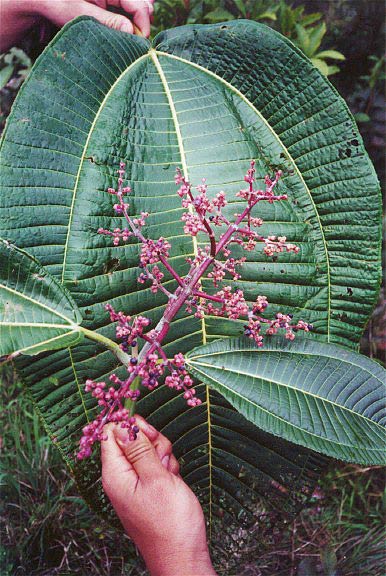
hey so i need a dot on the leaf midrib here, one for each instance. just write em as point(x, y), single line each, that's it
point(38, 303)
point(26, 349)
point(300, 352)
point(39, 325)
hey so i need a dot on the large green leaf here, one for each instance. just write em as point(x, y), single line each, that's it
point(317, 395)
point(36, 311)
point(207, 99)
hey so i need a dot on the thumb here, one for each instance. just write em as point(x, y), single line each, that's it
point(111, 20)
point(141, 454)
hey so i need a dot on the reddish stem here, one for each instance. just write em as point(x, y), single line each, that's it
point(246, 232)
point(171, 270)
point(208, 228)
point(138, 234)
point(200, 294)
point(187, 289)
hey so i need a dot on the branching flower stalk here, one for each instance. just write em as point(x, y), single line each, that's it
point(202, 216)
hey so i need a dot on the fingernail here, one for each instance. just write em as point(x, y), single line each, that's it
point(165, 461)
point(149, 430)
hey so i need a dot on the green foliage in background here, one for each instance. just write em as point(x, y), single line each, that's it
point(16, 60)
point(373, 81)
point(305, 30)
point(377, 73)
point(289, 18)
point(309, 42)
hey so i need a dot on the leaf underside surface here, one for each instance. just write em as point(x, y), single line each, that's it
point(317, 395)
point(207, 99)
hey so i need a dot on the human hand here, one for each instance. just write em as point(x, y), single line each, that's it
point(157, 509)
point(17, 16)
point(62, 11)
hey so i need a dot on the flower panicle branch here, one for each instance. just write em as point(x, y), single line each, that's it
point(203, 215)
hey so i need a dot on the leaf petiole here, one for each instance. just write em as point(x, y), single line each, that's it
point(110, 344)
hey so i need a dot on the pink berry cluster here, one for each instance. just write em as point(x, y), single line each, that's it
point(128, 328)
point(215, 262)
point(112, 410)
point(152, 366)
point(111, 399)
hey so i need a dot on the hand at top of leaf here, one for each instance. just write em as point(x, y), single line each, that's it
point(18, 16)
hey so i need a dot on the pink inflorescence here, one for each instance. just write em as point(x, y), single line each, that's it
point(112, 410)
point(215, 262)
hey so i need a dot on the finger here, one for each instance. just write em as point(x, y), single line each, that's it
point(140, 10)
point(131, 6)
point(149, 4)
point(147, 428)
point(174, 466)
point(109, 448)
point(141, 454)
point(111, 20)
point(163, 446)
point(115, 466)
point(151, 7)
point(62, 12)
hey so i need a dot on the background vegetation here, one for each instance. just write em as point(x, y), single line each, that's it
point(46, 527)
